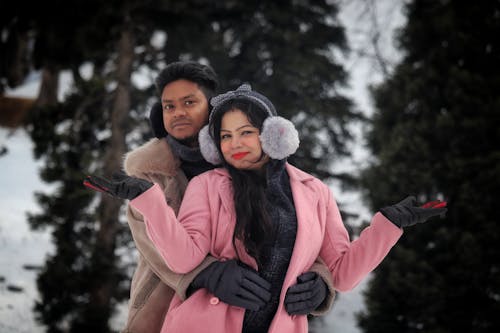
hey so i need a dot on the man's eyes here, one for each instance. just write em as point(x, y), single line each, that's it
point(170, 107)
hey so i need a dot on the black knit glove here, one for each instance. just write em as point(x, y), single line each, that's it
point(234, 284)
point(305, 296)
point(122, 186)
point(407, 213)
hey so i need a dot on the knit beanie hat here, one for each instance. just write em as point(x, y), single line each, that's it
point(278, 136)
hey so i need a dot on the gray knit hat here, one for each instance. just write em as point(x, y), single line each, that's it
point(278, 137)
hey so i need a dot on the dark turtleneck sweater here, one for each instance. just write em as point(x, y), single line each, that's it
point(277, 250)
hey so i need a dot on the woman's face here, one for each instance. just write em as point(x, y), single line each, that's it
point(240, 143)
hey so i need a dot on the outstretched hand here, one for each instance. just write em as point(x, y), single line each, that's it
point(406, 212)
point(121, 186)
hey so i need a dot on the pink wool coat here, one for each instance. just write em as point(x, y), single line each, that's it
point(320, 232)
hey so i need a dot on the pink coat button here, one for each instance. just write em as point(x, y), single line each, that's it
point(222, 259)
point(214, 300)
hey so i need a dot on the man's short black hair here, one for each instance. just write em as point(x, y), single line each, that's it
point(203, 75)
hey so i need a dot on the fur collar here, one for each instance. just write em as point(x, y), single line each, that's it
point(155, 156)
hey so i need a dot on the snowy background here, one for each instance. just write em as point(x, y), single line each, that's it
point(22, 250)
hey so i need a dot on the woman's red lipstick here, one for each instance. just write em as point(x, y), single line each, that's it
point(239, 156)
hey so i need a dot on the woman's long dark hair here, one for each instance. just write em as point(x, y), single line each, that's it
point(253, 225)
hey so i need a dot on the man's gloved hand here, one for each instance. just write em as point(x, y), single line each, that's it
point(234, 284)
point(122, 186)
point(305, 296)
point(407, 213)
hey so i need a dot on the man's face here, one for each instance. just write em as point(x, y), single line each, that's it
point(185, 109)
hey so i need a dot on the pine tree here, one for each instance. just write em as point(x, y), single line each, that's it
point(435, 134)
point(83, 280)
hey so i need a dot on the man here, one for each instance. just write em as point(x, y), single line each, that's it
point(171, 160)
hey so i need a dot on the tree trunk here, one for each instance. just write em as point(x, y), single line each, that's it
point(16, 64)
point(49, 86)
point(108, 225)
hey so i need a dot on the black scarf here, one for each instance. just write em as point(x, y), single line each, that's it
point(192, 162)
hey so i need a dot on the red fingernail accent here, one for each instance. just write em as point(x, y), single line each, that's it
point(430, 204)
point(88, 184)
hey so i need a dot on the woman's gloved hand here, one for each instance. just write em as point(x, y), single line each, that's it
point(305, 296)
point(406, 212)
point(234, 284)
point(122, 186)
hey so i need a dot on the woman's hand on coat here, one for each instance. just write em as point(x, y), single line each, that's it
point(307, 295)
point(407, 213)
point(121, 186)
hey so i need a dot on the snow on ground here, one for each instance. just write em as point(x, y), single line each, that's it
point(19, 246)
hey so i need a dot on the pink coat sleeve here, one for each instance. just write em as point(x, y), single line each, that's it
point(348, 261)
point(183, 242)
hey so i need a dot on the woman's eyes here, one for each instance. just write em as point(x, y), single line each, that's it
point(243, 133)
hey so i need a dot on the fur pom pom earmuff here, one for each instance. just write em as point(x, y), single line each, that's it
point(207, 147)
point(279, 138)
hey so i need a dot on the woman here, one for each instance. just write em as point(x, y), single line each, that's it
point(264, 212)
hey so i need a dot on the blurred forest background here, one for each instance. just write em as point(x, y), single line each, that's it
point(434, 133)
